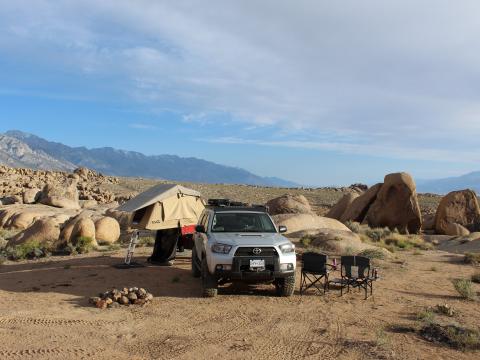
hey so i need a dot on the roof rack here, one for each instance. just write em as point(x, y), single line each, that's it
point(227, 204)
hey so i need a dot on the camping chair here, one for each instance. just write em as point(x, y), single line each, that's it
point(356, 273)
point(314, 269)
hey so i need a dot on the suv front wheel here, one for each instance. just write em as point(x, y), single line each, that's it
point(209, 282)
point(285, 286)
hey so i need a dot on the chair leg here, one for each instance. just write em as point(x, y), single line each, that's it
point(325, 286)
point(302, 278)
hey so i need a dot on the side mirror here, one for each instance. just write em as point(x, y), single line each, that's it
point(200, 229)
point(282, 229)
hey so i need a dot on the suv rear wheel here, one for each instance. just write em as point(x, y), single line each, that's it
point(285, 286)
point(209, 282)
point(196, 271)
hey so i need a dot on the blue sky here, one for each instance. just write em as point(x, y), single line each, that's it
point(318, 92)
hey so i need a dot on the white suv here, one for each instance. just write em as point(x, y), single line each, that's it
point(241, 243)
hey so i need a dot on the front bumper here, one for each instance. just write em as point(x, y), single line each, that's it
point(240, 269)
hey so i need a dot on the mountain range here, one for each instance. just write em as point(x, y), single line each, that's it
point(20, 149)
point(445, 185)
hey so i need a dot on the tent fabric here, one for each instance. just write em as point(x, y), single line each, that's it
point(157, 193)
point(165, 206)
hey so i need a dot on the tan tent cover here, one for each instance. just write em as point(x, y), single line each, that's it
point(165, 206)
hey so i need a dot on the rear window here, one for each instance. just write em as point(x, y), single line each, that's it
point(242, 222)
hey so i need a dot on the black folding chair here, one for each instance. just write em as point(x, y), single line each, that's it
point(355, 272)
point(314, 269)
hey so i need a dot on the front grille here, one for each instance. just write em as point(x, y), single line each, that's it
point(249, 251)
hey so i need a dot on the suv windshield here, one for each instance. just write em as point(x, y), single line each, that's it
point(242, 222)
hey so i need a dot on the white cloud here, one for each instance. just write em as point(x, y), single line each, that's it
point(142, 126)
point(399, 77)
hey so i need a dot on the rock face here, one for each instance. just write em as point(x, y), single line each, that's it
point(107, 230)
point(61, 195)
point(296, 223)
point(359, 207)
point(458, 208)
point(396, 205)
point(45, 231)
point(341, 206)
point(289, 204)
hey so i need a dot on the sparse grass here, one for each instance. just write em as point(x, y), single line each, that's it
point(377, 234)
point(381, 338)
point(426, 316)
point(476, 278)
point(372, 254)
point(83, 244)
point(111, 247)
point(29, 250)
point(472, 258)
point(353, 226)
point(417, 252)
point(465, 289)
point(306, 240)
point(454, 336)
point(146, 241)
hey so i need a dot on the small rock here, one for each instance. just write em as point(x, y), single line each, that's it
point(108, 301)
point(149, 297)
point(101, 304)
point(132, 296)
point(142, 292)
point(114, 305)
point(123, 300)
point(140, 302)
point(93, 300)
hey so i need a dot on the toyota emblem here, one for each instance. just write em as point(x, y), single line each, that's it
point(257, 251)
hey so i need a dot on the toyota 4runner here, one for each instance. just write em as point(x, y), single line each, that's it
point(241, 243)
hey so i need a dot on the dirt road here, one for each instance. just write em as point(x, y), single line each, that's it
point(44, 314)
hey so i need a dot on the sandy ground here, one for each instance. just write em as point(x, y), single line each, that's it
point(44, 313)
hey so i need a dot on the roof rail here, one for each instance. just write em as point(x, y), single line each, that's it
point(227, 203)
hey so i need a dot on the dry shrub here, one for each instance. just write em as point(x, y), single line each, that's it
point(465, 288)
point(476, 278)
point(472, 258)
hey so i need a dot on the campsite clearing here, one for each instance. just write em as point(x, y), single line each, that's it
point(44, 313)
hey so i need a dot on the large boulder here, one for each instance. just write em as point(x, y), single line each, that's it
point(359, 207)
point(289, 204)
point(341, 206)
point(61, 195)
point(457, 208)
point(123, 218)
point(298, 223)
point(31, 196)
point(84, 227)
point(340, 242)
point(45, 231)
point(107, 230)
point(23, 219)
point(396, 205)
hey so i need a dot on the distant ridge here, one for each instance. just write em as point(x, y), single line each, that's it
point(443, 186)
point(20, 149)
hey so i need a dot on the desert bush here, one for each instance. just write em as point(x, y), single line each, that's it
point(29, 250)
point(353, 226)
point(465, 288)
point(82, 245)
point(382, 339)
point(426, 315)
point(454, 336)
point(377, 234)
point(306, 240)
point(372, 254)
point(476, 278)
point(472, 258)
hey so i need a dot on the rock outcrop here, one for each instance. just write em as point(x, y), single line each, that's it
point(45, 231)
point(289, 204)
point(458, 213)
point(297, 223)
point(396, 205)
point(359, 207)
point(342, 205)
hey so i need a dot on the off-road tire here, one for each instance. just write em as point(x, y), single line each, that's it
point(285, 286)
point(209, 282)
point(196, 272)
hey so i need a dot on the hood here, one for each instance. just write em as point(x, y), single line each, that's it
point(249, 239)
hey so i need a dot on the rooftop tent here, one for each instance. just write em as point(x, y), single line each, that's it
point(165, 206)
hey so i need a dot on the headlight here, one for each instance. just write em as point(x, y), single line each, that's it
point(287, 248)
point(221, 248)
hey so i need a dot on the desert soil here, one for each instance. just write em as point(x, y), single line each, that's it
point(44, 313)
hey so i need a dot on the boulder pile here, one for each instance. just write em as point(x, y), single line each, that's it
point(126, 296)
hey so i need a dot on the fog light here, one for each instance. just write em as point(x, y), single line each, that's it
point(223, 267)
point(219, 267)
point(286, 267)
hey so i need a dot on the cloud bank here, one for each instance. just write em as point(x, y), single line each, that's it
point(396, 78)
